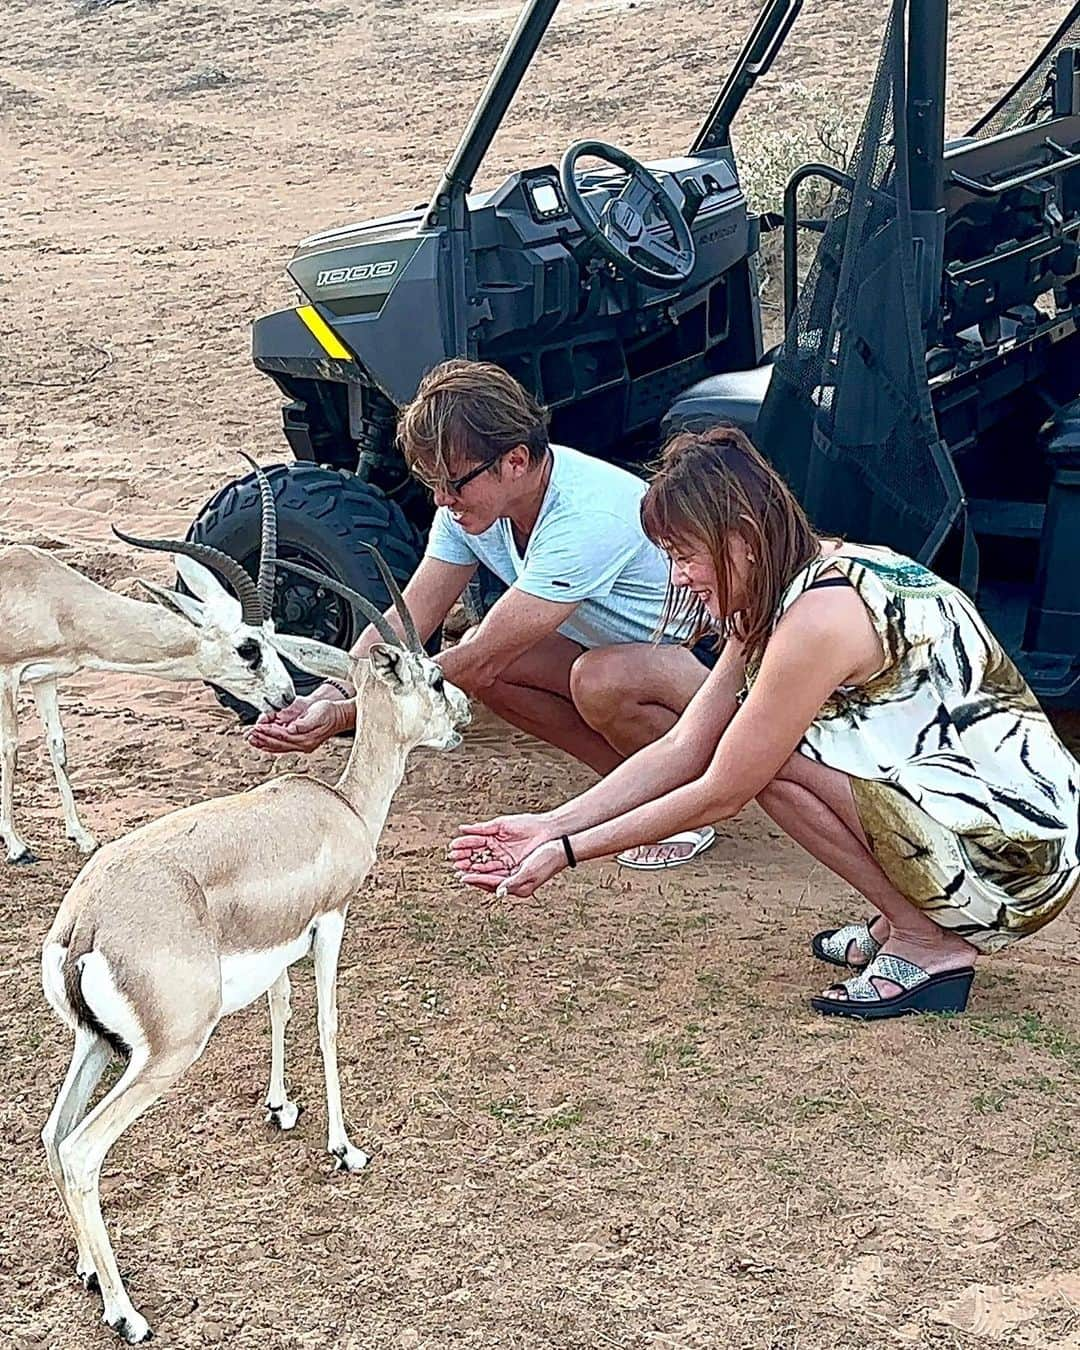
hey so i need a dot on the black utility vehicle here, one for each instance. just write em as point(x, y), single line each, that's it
point(926, 394)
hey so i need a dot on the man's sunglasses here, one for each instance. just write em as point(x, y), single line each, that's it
point(454, 485)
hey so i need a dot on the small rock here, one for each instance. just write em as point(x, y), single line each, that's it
point(31, 1338)
point(749, 1265)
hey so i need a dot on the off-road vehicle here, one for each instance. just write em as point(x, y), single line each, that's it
point(925, 394)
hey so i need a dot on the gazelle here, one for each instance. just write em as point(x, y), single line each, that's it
point(54, 621)
point(198, 913)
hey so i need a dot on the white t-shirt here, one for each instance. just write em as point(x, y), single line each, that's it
point(586, 548)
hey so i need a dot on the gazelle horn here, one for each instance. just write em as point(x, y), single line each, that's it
point(394, 591)
point(226, 567)
point(268, 544)
point(364, 605)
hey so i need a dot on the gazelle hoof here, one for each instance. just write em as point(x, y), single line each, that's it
point(89, 1280)
point(85, 843)
point(284, 1117)
point(350, 1159)
point(24, 857)
point(133, 1329)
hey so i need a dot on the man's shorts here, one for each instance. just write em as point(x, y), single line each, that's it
point(708, 651)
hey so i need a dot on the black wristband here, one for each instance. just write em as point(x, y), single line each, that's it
point(341, 688)
point(568, 850)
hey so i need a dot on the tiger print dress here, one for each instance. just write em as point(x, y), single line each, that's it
point(969, 800)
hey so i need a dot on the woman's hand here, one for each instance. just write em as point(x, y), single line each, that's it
point(541, 865)
point(487, 854)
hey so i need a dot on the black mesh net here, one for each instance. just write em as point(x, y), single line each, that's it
point(1030, 100)
point(848, 419)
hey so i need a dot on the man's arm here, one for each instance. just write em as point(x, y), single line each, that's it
point(575, 556)
point(515, 623)
point(432, 590)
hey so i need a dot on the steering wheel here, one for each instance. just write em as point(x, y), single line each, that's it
point(620, 232)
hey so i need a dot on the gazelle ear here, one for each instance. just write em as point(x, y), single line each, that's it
point(185, 605)
point(317, 658)
point(198, 579)
point(220, 605)
point(392, 665)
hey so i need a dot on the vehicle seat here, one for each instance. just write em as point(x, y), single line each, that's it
point(735, 397)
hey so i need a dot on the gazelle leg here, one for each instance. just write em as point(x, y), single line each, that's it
point(17, 849)
point(82, 1154)
point(88, 1061)
point(48, 706)
point(279, 1110)
point(327, 947)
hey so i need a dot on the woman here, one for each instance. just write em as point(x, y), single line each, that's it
point(865, 705)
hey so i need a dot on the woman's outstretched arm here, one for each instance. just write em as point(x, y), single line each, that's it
point(493, 848)
point(823, 642)
point(678, 757)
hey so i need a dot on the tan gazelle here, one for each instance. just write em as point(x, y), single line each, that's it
point(198, 913)
point(55, 621)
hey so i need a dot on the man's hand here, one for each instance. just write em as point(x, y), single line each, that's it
point(486, 854)
point(302, 726)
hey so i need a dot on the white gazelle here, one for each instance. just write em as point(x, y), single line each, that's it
point(198, 913)
point(54, 621)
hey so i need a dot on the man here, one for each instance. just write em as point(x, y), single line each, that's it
point(566, 653)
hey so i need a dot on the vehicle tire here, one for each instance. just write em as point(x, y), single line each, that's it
point(323, 517)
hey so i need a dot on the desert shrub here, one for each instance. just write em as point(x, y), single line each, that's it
point(798, 125)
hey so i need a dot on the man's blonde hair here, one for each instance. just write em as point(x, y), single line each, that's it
point(465, 412)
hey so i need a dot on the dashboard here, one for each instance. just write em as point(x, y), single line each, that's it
point(528, 265)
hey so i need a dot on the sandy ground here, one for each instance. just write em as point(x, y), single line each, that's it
point(605, 1118)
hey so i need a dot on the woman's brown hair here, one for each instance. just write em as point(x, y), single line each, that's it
point(465, 412)
point(708, 486)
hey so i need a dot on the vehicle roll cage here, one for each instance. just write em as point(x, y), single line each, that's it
point(446, 207)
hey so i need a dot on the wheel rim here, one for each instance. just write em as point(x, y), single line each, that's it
point(307, 609)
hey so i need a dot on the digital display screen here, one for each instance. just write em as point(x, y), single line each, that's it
point(545, 198)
